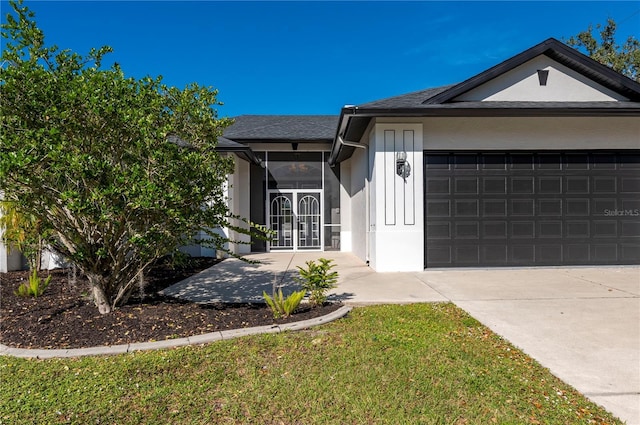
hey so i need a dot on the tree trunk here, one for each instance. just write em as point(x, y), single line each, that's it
point(99, 296)
point(101, 300)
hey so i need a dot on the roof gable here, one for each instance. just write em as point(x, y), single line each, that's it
point(541, 79)
point(562, 58)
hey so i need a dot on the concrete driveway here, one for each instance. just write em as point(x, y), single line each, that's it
point(583, 324)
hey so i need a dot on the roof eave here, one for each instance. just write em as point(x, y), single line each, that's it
point(238, 149)
point(457, 110)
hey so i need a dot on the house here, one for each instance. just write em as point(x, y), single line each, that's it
point(534, 162)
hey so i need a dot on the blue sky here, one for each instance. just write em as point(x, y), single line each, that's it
point(315, 57)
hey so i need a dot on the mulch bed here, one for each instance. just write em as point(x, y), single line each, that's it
point(65, 316)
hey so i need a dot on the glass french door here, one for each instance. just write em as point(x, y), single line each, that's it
point(295, 217)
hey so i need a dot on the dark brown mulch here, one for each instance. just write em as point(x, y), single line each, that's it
point(65, 317)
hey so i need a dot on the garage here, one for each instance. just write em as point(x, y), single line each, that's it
point(532, 208)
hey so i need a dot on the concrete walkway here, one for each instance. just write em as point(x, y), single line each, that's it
point(581, 323)
point(236, 281)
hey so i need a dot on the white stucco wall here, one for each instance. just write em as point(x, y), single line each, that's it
point(10, 259)
point(531, 133)
point(522, 84)
point(346, 239)
point(356, 219)
point(239, 202)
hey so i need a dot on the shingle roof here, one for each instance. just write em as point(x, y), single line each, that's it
point(282, 127)
point(408, 100)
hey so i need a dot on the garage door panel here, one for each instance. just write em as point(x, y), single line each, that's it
point(604, 229)
point(439, 256)
point(577, 207)
point(521, 161)
point(550, 229)
point(604, 253)
point(630, 161)
point(466, 185)
point(523, 255)
point(577, 229)
point(630, 185)
point(577, 185)
point(548, 254)
point(494, 207)
point(550, 207)
point(439, 230)
point(468, 255)
point(602, 207)
point(467, 230)
point(576, 161)
point(630, 252)
point(494, 162)
point(630, 229)
point(603, 161)
point(437, 162)
point(604, 184)
point(495, 230)
point(494, 254)
point(550, 185)
point(522, 209)
point(465, 162)
point(631, 205)
point(577, 253)
point(549, 161)
point(496, 185)
point(438, 208)
point(522, 185)
point(523, 229)
point(466, 207)
point(438, 185)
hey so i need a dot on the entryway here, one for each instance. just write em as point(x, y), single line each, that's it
point(295, 217)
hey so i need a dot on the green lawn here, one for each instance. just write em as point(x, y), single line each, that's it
point(420, 364)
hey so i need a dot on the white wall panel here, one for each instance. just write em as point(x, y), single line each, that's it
point(397, 236)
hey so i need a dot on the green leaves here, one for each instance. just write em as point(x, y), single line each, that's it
point(281, 306)
point(624, 58)
point(35, 287)
point(318, 279)
point(92, 155)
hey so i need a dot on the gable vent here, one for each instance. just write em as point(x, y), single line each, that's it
point(543, 74)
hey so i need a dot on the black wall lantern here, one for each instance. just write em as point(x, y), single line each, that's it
point(403, 168)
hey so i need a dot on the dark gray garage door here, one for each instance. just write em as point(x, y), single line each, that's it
point(523, 209)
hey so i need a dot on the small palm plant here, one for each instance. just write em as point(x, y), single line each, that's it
point(35, 287)
point(318, 279)
point(282, 306)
